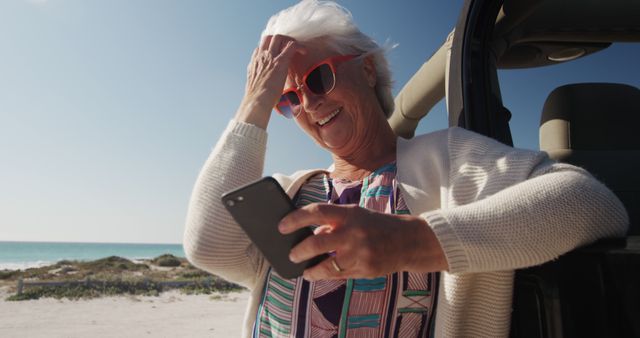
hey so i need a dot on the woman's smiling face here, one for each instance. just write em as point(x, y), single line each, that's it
point(337, 121)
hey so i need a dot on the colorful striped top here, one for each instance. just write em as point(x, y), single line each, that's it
point(396, 305)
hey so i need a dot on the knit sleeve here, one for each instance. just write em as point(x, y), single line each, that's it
point(212, 240)
point(509, 208)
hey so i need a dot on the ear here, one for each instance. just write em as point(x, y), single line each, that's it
point(369, 67)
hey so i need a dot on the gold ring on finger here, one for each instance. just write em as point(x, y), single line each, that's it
point(335, 265)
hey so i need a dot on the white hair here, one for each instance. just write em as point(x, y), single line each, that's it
point(313, 19)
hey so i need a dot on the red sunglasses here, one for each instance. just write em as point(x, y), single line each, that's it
point(319, 79)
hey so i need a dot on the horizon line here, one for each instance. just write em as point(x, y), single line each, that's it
point(87, 242)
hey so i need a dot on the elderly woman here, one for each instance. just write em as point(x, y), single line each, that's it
point(425, 234)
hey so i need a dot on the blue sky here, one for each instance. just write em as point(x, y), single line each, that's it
point(109, 108)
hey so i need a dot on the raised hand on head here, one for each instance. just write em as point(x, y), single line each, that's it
point(266, 75)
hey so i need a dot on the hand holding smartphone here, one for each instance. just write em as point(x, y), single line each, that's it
point(258, 208)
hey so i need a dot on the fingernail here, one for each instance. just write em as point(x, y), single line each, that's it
point(282, 227)
point(293, 258)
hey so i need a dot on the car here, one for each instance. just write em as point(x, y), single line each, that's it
point(592, 291)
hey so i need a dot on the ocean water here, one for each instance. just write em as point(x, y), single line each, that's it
point(23, 255)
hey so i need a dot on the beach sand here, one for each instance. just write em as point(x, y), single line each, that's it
point(171, 314)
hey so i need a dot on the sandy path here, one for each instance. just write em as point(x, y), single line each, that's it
point(169, 315)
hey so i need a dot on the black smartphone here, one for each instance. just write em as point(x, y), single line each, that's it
point(258, 207)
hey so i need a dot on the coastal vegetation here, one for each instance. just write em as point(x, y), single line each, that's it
point(111, 276)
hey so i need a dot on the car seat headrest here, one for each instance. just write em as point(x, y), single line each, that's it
point(591, 116)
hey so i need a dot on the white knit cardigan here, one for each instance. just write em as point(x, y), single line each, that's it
point(493, 208)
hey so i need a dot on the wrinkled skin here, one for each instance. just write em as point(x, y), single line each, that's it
point(364, 243)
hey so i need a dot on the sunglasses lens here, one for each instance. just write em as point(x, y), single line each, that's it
point(292, 98)
point(289, 104)
point(321, 79)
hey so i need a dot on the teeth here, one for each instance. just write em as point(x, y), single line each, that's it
point(328, 118)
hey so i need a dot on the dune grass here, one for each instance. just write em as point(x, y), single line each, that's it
point(112, 276)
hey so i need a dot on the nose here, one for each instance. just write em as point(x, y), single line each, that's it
point(310, 101)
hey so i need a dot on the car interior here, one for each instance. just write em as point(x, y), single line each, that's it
point(591, 291)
